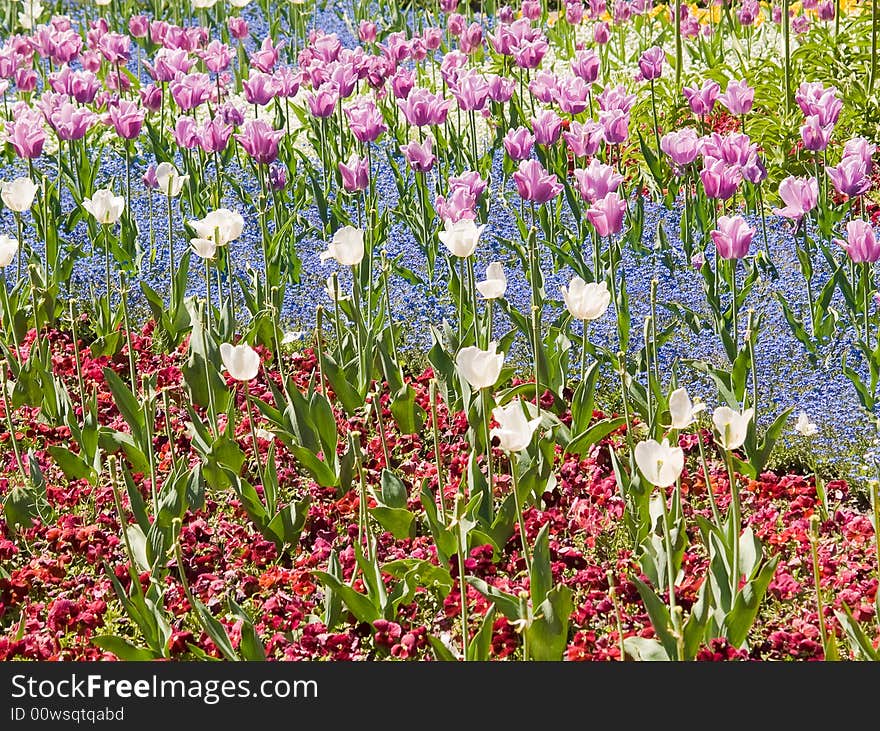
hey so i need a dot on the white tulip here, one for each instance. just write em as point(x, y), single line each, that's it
point(170, 181)
point(586, 301)
point(18, 195)
point(333, 290)
point(347, 247)
point(8, 250)
point(514, 430)
point(221, 226)
point(203, 4)
point(731, 426)
point(242, 361)
point(461, 237)
point(682, 411)
point(480, 368)
point(804, 426)
point(204, 248)
point(104, 206)
point(495, 283)
point(659, 463)
point(239, 3)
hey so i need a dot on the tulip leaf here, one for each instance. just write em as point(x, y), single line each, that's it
point(582, 442)
point(548, 632)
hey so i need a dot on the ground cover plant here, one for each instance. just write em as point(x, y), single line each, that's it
point(451, 332)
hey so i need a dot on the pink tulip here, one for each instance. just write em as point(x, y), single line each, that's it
point(547, 126)
point(815, 135)
point(260, 88)
point(799, 195)
point(597, 180)
point(419, 156)
point(738, 98)
point(127, 119)
point(260, 141)
point(850, 177)
point(518, 143)
point(534, 183)
point(651, 63)
point(584, 139)
point(681, 146)
point(355, 174)
point(606, 214)
point(861, 243)
point(733, 237)
point(720, 180)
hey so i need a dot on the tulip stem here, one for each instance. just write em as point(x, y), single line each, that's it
point(520, 519)
point(4, 385)
point(488, 508)
point(7, 312)
point(584, 342)
point(817, 583)
point(268, 491)
point(733, 306)
point(123, 295)
point(435, 427)
point(734, 517)
point(171, 267)
point(670, 576)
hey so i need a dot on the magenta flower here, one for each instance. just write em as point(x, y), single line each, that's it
point(471, 181)
point(191, 91)
point(702, 100)
point(720, 180)
point(534, 183)
point(799, 195)
point(151, 97)
point(573, 95)
point(71, 122)
point(115, 47)
point(186, 134)
point(544, 87)
point(815, 98)
point(733, 237)
point(265, 59)
point(850, 177)
point(547, 126)
point(606, 214)
point(25, 133)
point(420, 157)
point(597, 180)
point(214, 135)
point(815, 135)
point(365, 121)
point(500, 88)
point(260, 88)
point(170, 64)
point(529, 54)
point(518, 143)
point(861, 148)
point(861, 243)
point(586, 65)
point(615, 125)
point(322, 102)
point(651, 63)
point(738, 98)
point(584, 139)
point(367, 31)
point(355, 174)
point(260, 141)
point(422, 108)
point(471, 92)
point(681, 146)
point(127, 119)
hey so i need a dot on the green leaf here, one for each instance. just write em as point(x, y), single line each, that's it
point(215, 630)
point(358, 604)
point(645, 649)
point(397, 521)
point(480, 645)
point(507, 604)
point(287, 525)
point(541, 577)
point(126, 403)
point(72, 465)
point(658, 612)
point(580, 443)
point(859, 643)
point(548, 633)
point(123, 649)
point(394, 492)
point(250, 646)
point(740, 619)
point(410, 417)
point(441, 651)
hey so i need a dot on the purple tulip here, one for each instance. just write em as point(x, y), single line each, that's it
point(402, 83)
point(615, 97)
point(702, 100)
point(365, 121)
point(732, 237)
point(149, 178)
point(422, 108)
point(799, 195)
point(681, 146)
point(322, 102)
point(606, 214)
point(265, 59)
point(501, 89)
point(355, 174)
point(738, 98)
point(529, 54)
point(615, 125)
point(720, 180)
point(815, 98)
point(367, 31)
point(534, 183)
point(127, 119)
point(191, 91)
point(597, 180)
point(185, 133)
point(861, 243)
point(170, 64)
point(651, 63)
point(748, 12)
point(860, 147)
point(260, 141)
point(586, 65)
point(419, 156)
point(71, 122)
point(547, 126)
point(584, 139)
point(753, 170)
point(815, 135)
point(850, 177)
point(518, 143)
point(471, 181)
point(601, 33)
point(459, 205)
point(260, 88)
point(573, 95)
point(471, 92)
point(214, 136)
point(826, 10)
point(544, 87)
